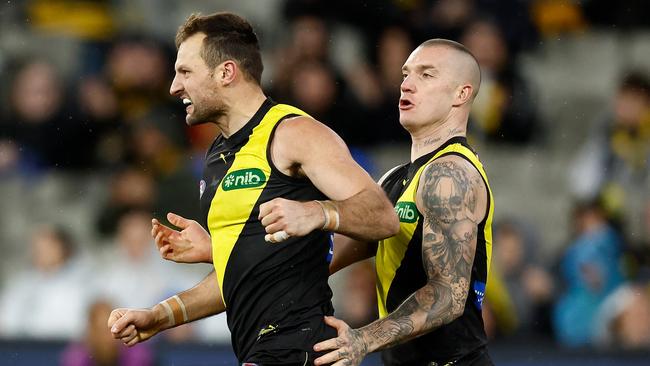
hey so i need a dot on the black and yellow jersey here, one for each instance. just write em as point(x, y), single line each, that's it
point(276, 295)
point(400, 272)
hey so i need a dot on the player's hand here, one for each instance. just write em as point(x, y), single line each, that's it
point(284, 218)
point(348, 349)
point(132, 326)
point(190, 245)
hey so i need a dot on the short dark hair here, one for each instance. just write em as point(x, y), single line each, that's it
point(228, 36)
point(447, 43)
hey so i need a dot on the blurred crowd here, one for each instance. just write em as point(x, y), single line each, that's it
point(110, 115)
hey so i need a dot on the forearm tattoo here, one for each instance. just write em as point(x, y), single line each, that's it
point(449, 198)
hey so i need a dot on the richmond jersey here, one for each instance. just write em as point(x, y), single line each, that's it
point(276, 295)
point(400, 272)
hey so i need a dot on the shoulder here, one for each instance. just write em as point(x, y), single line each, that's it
point(452, 165)
point(299, 134)
point(303, 126)
point(452, 183)
point(301, 142)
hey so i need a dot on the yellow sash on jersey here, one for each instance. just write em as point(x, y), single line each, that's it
point(232, 206)
point(391, 251)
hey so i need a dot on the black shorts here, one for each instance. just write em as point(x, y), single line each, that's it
point(292, 359)
point(479, 357)
point(292, 348)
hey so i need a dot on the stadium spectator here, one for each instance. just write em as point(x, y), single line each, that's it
point(529, 286)
point(139, 277)
point(393, 48)
point(613, 164)
point(103, 133)
point(504, 110)
point(53, 283)
point(591, 270)
point(623, 320)
point(127, 188)
point(98, 348)
point(39, 122)
point(137, 68)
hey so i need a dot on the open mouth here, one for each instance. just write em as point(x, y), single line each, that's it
point(405, 104)
point(188, 103)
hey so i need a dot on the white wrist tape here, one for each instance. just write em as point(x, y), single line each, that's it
point(332, 217)
point(176, 311)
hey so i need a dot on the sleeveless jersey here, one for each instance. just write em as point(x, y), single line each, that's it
point(400, 272)
point(275, 294)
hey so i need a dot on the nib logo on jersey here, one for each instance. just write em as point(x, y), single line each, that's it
point(244, 178)
point(407, 212)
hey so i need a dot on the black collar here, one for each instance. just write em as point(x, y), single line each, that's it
point(415, 165)
point(242, 135)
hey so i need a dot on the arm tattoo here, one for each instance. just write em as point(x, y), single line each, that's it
point(358, 348)
point(449, 197)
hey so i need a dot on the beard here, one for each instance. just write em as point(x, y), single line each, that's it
point(205, 114)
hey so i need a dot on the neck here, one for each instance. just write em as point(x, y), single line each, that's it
point(429, 139)
point(241, 106)
point(431, 136)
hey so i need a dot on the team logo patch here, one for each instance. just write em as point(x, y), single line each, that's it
point(201, 188)
point(330, 251)
point(407, 212)
point(244, 178)
point(479, 291)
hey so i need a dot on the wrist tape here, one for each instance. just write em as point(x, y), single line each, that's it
point(176, 312)
point(332, 218)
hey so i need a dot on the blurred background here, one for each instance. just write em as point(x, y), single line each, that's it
point(92, 146)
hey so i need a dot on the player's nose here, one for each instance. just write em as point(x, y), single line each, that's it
point(176, 86)
point(407, 85)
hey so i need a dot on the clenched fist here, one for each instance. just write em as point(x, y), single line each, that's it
point(284, 218)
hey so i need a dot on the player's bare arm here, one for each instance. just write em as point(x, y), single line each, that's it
point(358, 207)
point(348, 251)
point(453, 198)
point(133, 326)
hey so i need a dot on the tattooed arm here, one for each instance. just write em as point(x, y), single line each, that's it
point(453, 198)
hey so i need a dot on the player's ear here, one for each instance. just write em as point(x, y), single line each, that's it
point(226, 72)
point(463, 94)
